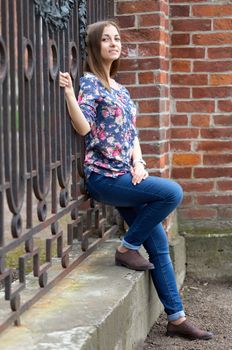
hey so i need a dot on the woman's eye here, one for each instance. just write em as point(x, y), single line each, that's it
point(108, 39)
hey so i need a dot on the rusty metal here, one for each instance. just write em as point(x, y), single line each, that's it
point(42, 201)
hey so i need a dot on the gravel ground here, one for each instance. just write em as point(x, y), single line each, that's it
point(208, 305)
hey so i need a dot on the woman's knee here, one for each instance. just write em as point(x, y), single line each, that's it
point(168, 190)
point(174, 192)
point(178, 193)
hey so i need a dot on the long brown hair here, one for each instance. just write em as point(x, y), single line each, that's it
point(93, 61)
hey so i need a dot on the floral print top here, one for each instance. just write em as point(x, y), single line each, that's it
point(112, 117)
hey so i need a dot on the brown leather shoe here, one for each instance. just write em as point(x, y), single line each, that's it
point(187, 330)
point(132, 259)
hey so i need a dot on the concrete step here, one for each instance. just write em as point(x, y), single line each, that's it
point(98, 306)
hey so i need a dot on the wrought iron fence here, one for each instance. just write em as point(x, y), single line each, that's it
point(46, 219)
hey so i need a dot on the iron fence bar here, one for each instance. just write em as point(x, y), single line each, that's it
point(39, 149)
point(5, 135)
point(12, 117)
point(29, 72)
point(2, 187)
point(46, 113)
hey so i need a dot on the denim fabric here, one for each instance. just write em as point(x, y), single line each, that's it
point(144, 206)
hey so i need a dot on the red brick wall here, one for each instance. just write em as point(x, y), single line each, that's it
point(183, 94)
point(201, 90)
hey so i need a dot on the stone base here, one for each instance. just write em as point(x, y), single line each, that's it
point(209, 256)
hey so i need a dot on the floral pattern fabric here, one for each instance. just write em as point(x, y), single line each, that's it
point(112, 118)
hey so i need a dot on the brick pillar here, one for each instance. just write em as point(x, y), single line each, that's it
point(145, 71)
point(202, 112)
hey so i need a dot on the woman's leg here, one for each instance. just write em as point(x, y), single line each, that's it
point(163, 275)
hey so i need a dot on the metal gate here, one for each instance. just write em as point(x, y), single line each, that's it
point(48, 225)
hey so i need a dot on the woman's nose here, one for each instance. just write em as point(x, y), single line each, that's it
point(113, 42)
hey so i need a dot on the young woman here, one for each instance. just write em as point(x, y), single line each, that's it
point(115, 170)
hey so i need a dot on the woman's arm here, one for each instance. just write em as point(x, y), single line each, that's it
point(137, 153)
point(78, 119)
point(138, 170)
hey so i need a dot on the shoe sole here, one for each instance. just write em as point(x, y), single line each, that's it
point(173, 335)
point(118, 263)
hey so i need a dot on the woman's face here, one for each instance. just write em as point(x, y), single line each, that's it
point(110, 44)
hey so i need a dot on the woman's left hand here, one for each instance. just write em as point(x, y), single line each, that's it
point(138, 173)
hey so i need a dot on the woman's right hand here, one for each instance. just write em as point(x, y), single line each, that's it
point(66, 83)
point(79, 122)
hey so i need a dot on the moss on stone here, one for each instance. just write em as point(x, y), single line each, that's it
point(205, 231)
point(12, 257)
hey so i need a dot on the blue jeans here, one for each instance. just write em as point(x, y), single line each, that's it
point(144, 206)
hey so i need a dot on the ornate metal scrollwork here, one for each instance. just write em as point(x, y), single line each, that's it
point(82, 26)
point(57, 15)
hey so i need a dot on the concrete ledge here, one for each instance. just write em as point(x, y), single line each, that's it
point(98, 306)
